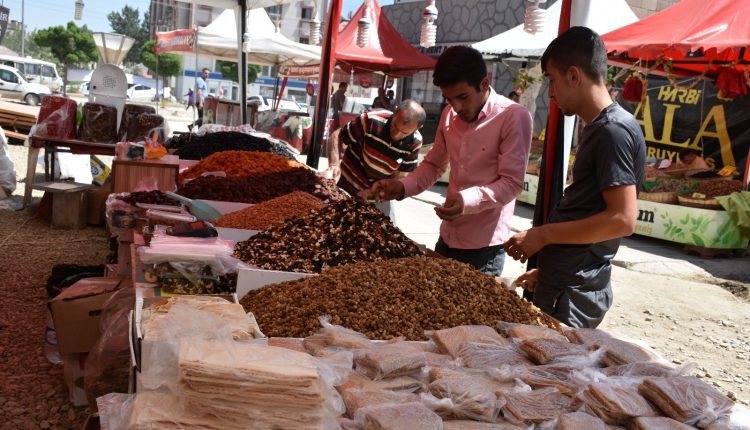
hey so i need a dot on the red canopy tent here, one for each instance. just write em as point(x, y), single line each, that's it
point(692, 37)
point(386, 52)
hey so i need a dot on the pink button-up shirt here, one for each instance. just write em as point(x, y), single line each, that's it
point(488, 160)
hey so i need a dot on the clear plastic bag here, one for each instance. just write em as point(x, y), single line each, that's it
point(336, 336)
point(526, 331)
point(99, 123)
point(399, 383)
point(483, 355)
point(411, 416)
point(108, 363)
point(389, 360)
point(57, 118)
point(216, 276)
point(449, 340)
point(257, 385)
point(615, 405)
point(450, 398)
point(7, 168)
point(165, 248)
point(357, 398)
point(687, 399)
point(500, 424)
point(536, 407)
point(545, 351)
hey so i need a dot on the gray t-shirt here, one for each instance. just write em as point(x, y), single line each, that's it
point(612, 152)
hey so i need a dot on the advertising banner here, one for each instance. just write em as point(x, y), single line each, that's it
point(691, 116)
point(175, 41)
point(691, 226)
point(4, 19)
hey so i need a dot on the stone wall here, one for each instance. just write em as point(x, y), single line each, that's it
point(644, 8)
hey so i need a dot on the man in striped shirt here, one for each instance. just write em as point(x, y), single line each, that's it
point(377, 146)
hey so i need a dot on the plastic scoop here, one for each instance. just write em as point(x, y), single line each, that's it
point(201, 210)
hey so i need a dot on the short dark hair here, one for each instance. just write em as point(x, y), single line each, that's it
point(343, 85)
point(206, 69)
point(459, 64)
point(685, 152)
point(415, 109)
point(512, 94)
point(580, 47)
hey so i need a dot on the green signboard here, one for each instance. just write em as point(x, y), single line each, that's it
point(691, 226)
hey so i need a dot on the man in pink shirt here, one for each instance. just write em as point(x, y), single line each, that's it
point(485, 138)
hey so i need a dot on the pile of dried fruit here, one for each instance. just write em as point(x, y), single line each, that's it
point(401, 297)
point(343, 232)
point(240, 164)
point(272, 212)
point(261, 188)
point(154, 197)
point(199, 147)
point(718, 187)
point(671, 186)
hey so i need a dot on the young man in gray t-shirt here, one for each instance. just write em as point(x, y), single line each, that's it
point(575, 247)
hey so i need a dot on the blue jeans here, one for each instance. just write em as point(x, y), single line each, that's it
point(488, 260)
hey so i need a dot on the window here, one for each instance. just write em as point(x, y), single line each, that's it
point(48, 71)
point(274, 11)
point(33, 69)
point(8, 76)
point(305, 40)
point(306, 13)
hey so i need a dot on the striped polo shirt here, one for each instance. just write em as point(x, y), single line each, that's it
point(371, 155)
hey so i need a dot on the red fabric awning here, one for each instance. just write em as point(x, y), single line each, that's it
point(692, 34)
point(387, 50)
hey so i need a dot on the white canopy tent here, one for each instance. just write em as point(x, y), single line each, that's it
point(602, 17)
point(267, 47)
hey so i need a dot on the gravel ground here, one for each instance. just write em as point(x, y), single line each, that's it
point(33, 394)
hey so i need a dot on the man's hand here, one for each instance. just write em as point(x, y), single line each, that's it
point(335, 172)
point(452, 208)
point(386, 189)
point(525, 244)
point(528, 280)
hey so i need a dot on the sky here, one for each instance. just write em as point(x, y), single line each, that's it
point(46, 13)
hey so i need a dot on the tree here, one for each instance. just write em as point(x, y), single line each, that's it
point(12, 40)
point(230, 70)
point(69, 45)
point(127, 22)
point(168, 64)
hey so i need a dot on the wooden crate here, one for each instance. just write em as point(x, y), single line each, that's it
point(127, 174)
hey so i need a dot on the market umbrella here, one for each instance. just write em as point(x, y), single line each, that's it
point(691, 37)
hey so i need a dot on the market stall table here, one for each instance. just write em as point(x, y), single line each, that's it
point(52, 145)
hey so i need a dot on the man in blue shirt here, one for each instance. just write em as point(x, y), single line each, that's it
point(200, 96)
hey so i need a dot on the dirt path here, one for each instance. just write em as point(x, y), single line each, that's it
point(687, 322)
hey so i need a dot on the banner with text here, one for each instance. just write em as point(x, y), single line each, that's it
point(674, 118)
point(175, 41)
point(4, 19)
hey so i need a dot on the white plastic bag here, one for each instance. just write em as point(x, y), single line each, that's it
point(7, 169)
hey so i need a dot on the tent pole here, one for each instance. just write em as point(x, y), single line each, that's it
point(243, 62)
point(327, 62)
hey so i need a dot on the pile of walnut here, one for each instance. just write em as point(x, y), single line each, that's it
point(385, 299)
point(348, 231)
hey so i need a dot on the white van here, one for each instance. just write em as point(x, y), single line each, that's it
point(35, 71)
point(13, 85)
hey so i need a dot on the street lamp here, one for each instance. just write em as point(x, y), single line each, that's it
point(79, 10)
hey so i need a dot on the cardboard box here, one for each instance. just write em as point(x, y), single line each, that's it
point(76, 312)
point(73, 365)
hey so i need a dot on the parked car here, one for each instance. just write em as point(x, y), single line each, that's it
point(139, 91)
point(14, 86)
point(265, 103)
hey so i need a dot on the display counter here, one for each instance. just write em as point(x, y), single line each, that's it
point(705, 228)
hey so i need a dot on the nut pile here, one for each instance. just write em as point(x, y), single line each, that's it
point(261, 188)
point(384, 299)
point(673, 186)
point(343, 232)
point(272, 212)
point(718, 187)
point(200, 147)
point(154, 197)
point(240, 164)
